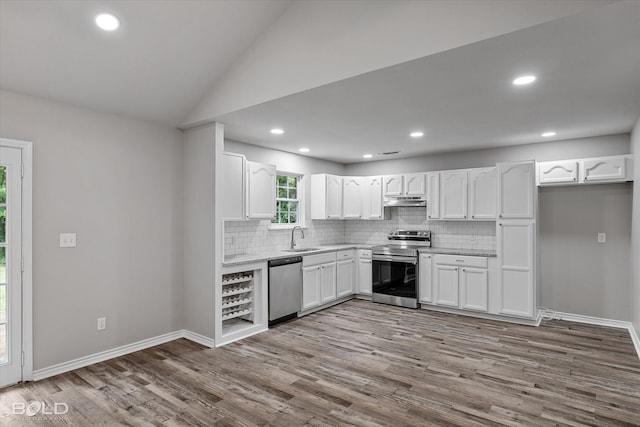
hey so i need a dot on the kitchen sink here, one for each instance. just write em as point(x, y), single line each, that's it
point(301, 250)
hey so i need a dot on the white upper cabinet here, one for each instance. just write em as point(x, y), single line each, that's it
point(261, 194)
point(352, 196)
point(483, 188)
point(593, 170)
point(372, 207)
point(334, 196)
point(326, 196)
point(605, 169)
point(453, 194)
point(433, 195)
point(234, 170)
point(560, 172)
point(516, 190)
point(412, 184)
point(393, 185)
point(415, 185)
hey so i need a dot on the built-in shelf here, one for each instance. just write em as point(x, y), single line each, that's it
point(237, 297)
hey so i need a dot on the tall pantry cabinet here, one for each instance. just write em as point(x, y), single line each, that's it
point(516, 239)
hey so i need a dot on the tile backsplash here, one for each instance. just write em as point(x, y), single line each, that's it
point(444, 234)
point(255, 236)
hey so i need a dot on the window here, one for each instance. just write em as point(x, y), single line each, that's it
point(288, 199)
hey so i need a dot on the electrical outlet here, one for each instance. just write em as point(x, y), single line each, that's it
point(602, 237)
point(67, 240)
point(102, 323)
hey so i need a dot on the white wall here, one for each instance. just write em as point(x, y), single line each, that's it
point(635, 251)
point(316, 42)
point(553, 150)
point(117, 183)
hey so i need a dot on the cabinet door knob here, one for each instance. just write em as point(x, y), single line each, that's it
point(464, 269)
point(500, 215)
point(500, 224)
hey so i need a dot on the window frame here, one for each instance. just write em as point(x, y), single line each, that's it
point(300, 199)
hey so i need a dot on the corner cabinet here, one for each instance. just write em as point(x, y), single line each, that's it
point(261, 191)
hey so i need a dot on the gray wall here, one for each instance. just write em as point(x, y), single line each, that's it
point(199, 235)
point(635, 253)
point(554, 150)
point(117, 183)
point(579, 275)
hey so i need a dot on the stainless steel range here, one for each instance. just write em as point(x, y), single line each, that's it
point(395, 268)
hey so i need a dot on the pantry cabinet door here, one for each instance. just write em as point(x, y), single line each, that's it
point(516, 248)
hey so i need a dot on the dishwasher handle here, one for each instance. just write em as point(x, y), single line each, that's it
point(285, 261)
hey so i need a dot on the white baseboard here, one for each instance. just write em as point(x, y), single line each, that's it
point(200, 339)
point(91, 359)
point(598, 321)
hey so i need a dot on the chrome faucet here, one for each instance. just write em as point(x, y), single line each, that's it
point(293, 242)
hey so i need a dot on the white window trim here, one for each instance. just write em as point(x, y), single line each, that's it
point(301, 203)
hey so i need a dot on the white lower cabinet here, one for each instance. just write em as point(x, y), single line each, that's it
point(328, 290)
point(458, 281)
point(474, 289)
point(310, 287)
point(345, 273)
point(425, 278)
point(516, 249)
point(446, 285)
point(365, 272)
point(327, 277)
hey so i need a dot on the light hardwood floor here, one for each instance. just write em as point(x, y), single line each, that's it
point(360, 363)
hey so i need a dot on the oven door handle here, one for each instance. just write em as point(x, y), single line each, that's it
point(390, 258)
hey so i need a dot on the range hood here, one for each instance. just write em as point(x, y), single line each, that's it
point(405, 202)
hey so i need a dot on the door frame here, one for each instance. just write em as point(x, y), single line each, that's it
point(27, 252)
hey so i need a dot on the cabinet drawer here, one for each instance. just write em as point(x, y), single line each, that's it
point(462, 260)
point(341, 255)
point(364, 253)
point(318, 259)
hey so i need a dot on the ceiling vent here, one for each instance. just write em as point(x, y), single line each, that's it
point(389, 153)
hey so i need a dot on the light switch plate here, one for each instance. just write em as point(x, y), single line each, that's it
point(602, 237)
point(67, 240)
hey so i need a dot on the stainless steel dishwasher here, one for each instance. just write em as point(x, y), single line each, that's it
point(285, 289)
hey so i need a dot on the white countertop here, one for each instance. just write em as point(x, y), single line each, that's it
point(261, 257)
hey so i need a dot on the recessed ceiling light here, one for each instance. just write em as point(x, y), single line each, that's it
point(416, 134)
point(304, 150)
point(277, 131)
point(524, 80)
point(107, 22)
point(548, 134)
point(367, 156)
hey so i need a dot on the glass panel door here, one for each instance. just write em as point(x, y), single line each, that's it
point(10, 266)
